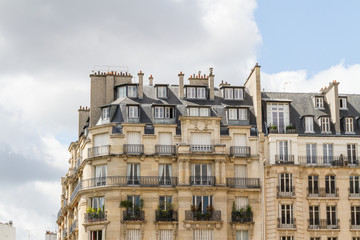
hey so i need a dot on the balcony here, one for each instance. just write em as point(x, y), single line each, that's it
point(166, 216)
point(202, 181)
point(214, 215)
point(281, 130)
point(286, 223)
point(241, 217)
point(327, 161)
point(323, 193)
point(77, 164)
point(201, 148)
point(284, 159)
point(99, 151)
point(285, 192)
point(92, 217)
point(243, 182)
point(73, 226)
point(136, 215)
point(134, 149)
point(165, 149)
point(238, 151)
point(323, 224)
point(76, 190)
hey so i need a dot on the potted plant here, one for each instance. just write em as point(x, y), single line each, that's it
point(273, 129)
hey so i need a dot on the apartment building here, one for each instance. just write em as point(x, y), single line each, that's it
point(7, 231)
point(166, 162)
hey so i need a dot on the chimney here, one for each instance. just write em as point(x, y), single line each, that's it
point(151, 80)
point(331, 94)
point(141, 85)
point(211, 84)
point(181, 85)
point(83, 116)
point(97, 96)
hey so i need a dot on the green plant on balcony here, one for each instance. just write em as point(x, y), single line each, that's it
point(165, 210)
point(198, 214)
point(95, 213)
point(126, 204)
point(242, 214)
point(273, 127)
point(289, 127)
point(133, 210)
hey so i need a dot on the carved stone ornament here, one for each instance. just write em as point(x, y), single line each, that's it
point(200, 125)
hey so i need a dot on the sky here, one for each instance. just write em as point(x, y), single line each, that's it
point(49, 48)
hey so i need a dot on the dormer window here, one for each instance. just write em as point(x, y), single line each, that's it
point(319, 102)
point(196, 92)
point(343, 103)
point(198, 111)
point(325, 124)
point(278, 116)
point(133, 111)
point(164, 112)
point(233, 93)
point(349, 125)
point(127, 91)
point(162, 91)
point(309, 124)
point(237, 114)
point(106, 113)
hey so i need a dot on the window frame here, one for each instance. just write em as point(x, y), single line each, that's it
point(162, 92)
point(132, 91)
point(196, 92)
point(105, 115)
point(319, 102)
point(313, 184)
point(309, 124)
point(200, 111)
point(342, 103)
point(325, 125)
point(349, 125)
point(132, 116)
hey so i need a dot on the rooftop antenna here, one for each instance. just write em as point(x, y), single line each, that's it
point(284, 87)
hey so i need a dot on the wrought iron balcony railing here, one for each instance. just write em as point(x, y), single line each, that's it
point(133, 215)
point(201, 148)
point(99, 151)
point(323, 224)
point(284, 191)
point(243, 182)
point(326, 161)
point(165, 149)
point(203, 216)
point(241, 217)
point(286, 159)
point(323, 192)
point(240, 151)
point(286, 223)
point(95, 217)
point(74, 226)
point(199, 180)
point(134, 149)
point(76, 190)
point(166, 215)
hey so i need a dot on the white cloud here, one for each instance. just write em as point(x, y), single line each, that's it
point(298, 81)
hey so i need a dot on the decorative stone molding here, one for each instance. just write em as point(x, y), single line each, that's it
point(211, 225)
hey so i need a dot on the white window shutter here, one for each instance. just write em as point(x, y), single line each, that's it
point(101, 139)
point(201, 138)
point(133, 138)
point(240, 171)
point(241, 202)
point(165, 139)
point(240, 140)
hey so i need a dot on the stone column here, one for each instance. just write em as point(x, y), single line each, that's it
point(181, 172)
point(223, 172)
point(217, 172)
point(187, 172)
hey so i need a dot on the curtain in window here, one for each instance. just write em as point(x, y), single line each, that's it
point(240, 140)
point(241, 202)
point(203, 234)
point(201, 138)
point(165, 139)
point(242, 235)
point(133, 138)
point(101, 139)
point(165, 234)
point(100, 175)
point(133, 234)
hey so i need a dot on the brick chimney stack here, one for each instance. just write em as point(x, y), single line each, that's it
point(181, 85)
point(141, 85)
point(211, 84)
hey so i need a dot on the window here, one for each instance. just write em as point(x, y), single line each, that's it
point(196, 112)
point(240, 171)
point(285, 182)
point(133, 234)
point(134, 138)
point(233, 93)
point(330, 189)
point(164, 112)
point(196, 92)
point(165, 138)
point(203, 234)
point(311, 153)
point(315, 238)
point(201, 174)
point(135, 200)
point(278, 115)
point(332, 238)
point(241, 203)
point(313, 185)
point(200, 138)
point(343, 103)
point(356, 238)
point(133, 173)
point(325, 124)
point(201, 92)
point(309, 124)
point(283, 151)
point(349, 125)
point(96, 235)
point(355, 215)
point(162, 92)
point(319, 102)
point(202, 202)
point(242, 235)
point(165, 174)
point(165, 202)
point(354, 185)
point(121, 92)
point(165, 234)
point(314, 217)
point(237, 114)
point(132, 91)
point(286, 216)
point(229, 93)
point(106, 113)
point(98, 203)
point(100, 175)
point(233, 114)
point(287, 238)
point(351, 153)
point(331, 220)
point(327, 153)
point(238, 93)
point(133, 112)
